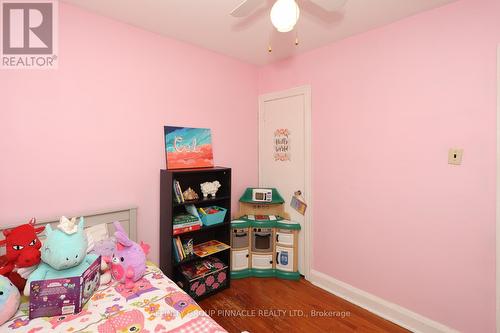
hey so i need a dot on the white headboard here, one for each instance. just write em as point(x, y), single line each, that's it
point(127, 217)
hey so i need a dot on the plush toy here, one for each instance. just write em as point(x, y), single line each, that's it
point(64, 253)
point(128, 262)
point(104, 248)
point(209, 188)
point(22, 252)
point(9, 299)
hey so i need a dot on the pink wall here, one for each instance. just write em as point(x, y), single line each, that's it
point(89, 136)
point(391, 217)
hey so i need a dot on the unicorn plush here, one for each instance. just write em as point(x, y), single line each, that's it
point(64, 252)
point(128, 263)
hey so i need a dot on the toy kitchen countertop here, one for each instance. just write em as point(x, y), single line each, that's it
point(239, 223)
point(287, 224)
point(262, 221)
point(265, 221)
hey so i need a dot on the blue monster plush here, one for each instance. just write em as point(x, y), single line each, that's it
point(64, 253)
point(9, 299)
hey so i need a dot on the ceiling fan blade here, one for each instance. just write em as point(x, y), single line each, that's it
point(246, 7)
point(330, 5)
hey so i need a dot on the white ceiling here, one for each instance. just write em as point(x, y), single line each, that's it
point(207, 23)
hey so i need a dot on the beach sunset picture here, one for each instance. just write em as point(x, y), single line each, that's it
point(188, 147)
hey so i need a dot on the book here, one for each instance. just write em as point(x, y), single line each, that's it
point(190, 224)
point(179, 248)
point(184, 218)
point(208, 248)
point(176, 194)
point(179, 190)
point(183, 230)
point(46, 296)
point(174, 250)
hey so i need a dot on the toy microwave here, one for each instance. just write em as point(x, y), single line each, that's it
point(262, 195)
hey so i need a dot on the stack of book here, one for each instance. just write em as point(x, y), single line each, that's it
point(185, 222)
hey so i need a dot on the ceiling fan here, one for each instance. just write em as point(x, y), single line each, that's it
point(284, 13)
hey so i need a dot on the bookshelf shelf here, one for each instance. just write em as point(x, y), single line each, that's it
point(205, 228)
point(169, 207)
point(202, 201)
point(195, 257)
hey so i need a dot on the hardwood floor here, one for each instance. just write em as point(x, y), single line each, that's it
point(261, 305)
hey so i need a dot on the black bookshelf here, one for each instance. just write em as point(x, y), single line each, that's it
point(169, 207)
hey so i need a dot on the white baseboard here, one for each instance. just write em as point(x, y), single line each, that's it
point(382, 308)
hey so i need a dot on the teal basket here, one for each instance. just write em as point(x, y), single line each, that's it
point(211, 219)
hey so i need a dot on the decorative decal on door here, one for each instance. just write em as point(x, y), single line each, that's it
point(282, 145)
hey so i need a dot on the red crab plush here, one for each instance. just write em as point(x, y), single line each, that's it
point(22, 250)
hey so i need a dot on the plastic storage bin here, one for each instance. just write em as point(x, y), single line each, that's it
point(211, 219)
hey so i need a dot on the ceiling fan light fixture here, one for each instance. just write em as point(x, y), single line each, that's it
point(284, 15)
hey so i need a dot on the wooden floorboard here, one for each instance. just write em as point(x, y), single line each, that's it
point(274, 305)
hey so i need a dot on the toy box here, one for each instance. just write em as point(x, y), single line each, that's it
point(204, 276)
point(63, 296)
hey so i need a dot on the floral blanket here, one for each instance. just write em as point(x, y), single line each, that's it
point(155, 305)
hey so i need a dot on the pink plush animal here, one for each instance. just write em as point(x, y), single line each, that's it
point(128, 263)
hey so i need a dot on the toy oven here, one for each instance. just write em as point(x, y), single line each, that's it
point(239, 238)
point(262, 240)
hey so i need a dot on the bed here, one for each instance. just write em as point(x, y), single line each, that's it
point(155, 305)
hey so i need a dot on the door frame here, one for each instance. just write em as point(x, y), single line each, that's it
point(308, 227)
point(498, 198)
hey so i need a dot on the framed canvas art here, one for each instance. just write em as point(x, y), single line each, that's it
point(187, 147)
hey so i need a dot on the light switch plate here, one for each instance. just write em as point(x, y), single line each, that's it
point(455, 156)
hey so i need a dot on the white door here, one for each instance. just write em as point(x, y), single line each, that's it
point(284, 258)
point(284, 154)
point(239, 261)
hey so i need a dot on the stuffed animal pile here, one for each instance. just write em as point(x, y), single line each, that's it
point(63, 254)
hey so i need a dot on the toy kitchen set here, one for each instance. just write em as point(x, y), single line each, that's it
point(264, 242)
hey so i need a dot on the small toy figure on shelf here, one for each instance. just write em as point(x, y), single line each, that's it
point(190, 194)
point(209, 188)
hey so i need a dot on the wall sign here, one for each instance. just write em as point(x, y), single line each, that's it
point(282, 145)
